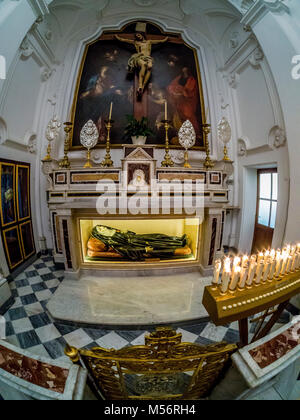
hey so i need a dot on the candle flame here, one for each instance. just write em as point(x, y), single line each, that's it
point(273, 253)
point(236, 261)
point(227, 265)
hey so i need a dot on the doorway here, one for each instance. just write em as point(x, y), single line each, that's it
point(266, 209)
point(15, 213)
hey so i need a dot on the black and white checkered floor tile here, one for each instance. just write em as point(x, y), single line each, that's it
point(29, 325)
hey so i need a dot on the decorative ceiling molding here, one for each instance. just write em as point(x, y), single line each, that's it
point(256, 57)
point(277, 137)
point(40, 7)
point(242, 147)
point(260, 8)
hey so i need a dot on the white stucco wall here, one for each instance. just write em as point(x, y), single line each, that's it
point(253, 88)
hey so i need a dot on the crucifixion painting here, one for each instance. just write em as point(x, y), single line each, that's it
point(138, 69)
point(141, 61)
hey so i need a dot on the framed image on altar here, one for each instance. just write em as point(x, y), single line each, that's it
point(104, 78)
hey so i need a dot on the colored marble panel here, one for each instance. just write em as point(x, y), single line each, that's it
point(41, 374)
point(273, 350)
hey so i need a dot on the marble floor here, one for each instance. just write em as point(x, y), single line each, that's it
point(131, 300)
point(29, 324)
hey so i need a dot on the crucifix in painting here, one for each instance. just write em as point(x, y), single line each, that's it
point(139, 69)
point(142, 60)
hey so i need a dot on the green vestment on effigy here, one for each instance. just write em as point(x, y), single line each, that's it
point(134, 246)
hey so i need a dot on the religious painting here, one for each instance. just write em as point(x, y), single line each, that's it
point(138, 69)
point(104, 81)
point(12, 245)
point(27, 239)
point(23, 199)
point(7, 196)
point(175, 79)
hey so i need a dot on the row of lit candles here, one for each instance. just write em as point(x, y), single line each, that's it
point(241, 272)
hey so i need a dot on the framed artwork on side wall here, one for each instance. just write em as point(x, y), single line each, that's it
point(15, 213)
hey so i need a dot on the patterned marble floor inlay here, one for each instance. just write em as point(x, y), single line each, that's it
point(29, 325)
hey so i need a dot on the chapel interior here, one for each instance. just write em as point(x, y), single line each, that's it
point(149, 200)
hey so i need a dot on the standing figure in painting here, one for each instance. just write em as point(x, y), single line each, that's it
point(142, 60)
point(184, 96)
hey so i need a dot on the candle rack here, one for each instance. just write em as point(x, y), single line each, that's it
point(107, 162)
point(167, 162)
point(247, 286)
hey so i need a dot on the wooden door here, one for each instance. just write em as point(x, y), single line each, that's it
point(267, 196)
point(15, 212)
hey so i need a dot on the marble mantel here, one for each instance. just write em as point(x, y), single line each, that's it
point(73, 194)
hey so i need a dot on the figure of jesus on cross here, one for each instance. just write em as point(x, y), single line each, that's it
point(141, 60)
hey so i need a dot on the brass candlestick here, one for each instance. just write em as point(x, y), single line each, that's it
point(107, 162)
point(226, 158)
point(208, 163)
point(65, 163)
point(167, 162)
point(48, 157)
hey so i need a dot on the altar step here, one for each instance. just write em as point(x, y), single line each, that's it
point(130, 301)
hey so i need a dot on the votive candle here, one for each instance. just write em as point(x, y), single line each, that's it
point(235, 278)
point(244, 272)
point(218, 265)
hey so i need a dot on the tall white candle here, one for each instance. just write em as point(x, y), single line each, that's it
point(110, 111)
point(252, 270)
point(298, 260)
point(267, 269)
point(279, 260)
point(284, 262)
point(218, 265)
point(260, 257)
point(289, 264)
point(259, 271)
point(244, 272)
point(294, 262)
point(272, 269)
point(235, 278)
point(166, 110)
point(266, 257)
point(226, 276)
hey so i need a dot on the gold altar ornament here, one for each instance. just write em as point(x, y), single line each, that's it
point(65, 163)
point(107, 161)
point(52, 133)
point(167, 162)
point(208, 163)
point(187, 139)
point(224, 136)
point(89, 137)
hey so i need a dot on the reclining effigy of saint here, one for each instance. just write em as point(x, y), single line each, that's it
point(107, 242)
